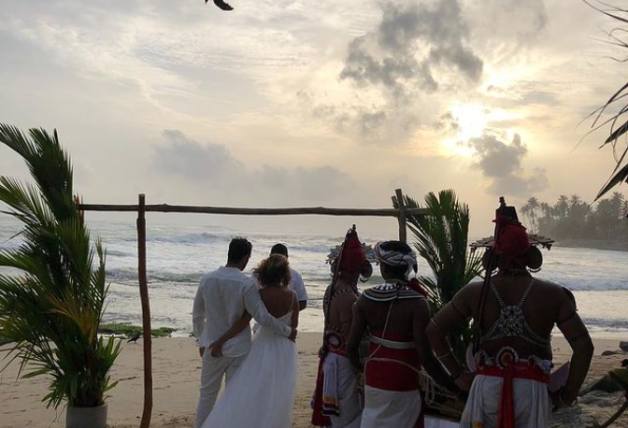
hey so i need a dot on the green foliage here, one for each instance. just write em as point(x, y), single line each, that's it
point(442, 241)
point(573, 218)
point(612, 114)
point(129, 330)
point(52, 310)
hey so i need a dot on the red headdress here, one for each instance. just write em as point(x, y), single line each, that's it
point(512, 241)
point(352, 257)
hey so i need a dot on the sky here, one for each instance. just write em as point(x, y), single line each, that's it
point(313, 103)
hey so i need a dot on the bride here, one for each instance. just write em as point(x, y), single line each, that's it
point(261, 393)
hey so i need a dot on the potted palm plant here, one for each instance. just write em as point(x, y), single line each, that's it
point(52, 309)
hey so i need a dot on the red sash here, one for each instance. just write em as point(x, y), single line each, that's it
point(518, 370)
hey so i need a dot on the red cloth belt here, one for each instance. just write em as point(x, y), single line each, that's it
point(341, 352)
point(391, 375)
point(518, 370)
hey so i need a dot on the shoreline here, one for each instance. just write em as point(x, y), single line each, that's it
point(593, 244)
point(176, 372)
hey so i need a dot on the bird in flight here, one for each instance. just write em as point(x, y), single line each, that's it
point(221, 4)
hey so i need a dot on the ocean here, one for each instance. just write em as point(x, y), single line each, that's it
point(178, 256)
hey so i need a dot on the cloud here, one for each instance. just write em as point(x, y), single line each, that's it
point(212, 166)
point(447, 123)
point(411, 41)
point(501, 163)
point(510, 21)
point(192, 160)
point(414, 50)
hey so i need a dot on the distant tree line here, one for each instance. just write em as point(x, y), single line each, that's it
point(572, 218)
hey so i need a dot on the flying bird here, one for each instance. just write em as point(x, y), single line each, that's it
point(221, 4)
point(134, 338)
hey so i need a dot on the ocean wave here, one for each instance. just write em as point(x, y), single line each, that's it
point(120, 253)
point(315, 248)
point(612, 323)
point(125, 275)
point(593, 286)
point(191, 238)
point(185, 239)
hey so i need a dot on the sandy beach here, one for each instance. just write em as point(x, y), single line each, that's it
point(176, 372)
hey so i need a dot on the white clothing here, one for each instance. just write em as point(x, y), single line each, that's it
point(261, 393)
point(221, 299)
point(214, 369)
point(398, 409)
point(431, 422)
point(297, 285)
point(532, 403)
point(338, 369)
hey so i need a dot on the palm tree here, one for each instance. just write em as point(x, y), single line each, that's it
point(51, 311)
point(442, 241)
point(529, 211)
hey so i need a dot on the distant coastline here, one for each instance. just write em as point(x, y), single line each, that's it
point(595, 244)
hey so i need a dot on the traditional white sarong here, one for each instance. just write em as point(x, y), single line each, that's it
point(398, 409)
point(341, 400)
point(531, 402)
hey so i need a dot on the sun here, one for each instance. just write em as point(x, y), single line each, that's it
point(468, 121)
point(471, 120)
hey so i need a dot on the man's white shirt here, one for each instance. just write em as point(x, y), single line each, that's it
point(297, 285)
point(221, 299)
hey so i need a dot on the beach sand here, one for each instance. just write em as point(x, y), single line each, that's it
point(176, 366)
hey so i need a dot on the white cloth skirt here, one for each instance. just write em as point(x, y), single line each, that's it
point(383, 409)
point(532, 403)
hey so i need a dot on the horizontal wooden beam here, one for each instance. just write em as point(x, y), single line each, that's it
point(165, 208)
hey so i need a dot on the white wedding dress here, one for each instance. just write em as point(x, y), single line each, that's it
point(261, 393)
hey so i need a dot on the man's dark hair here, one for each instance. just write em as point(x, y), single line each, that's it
point(279, 249)
point(239, 248)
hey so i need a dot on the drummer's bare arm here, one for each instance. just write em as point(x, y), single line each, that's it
point(421, 319)
point(453, 315)
point(358, 327)
point(576, 333)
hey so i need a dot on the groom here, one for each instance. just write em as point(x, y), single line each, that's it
point(221, 299)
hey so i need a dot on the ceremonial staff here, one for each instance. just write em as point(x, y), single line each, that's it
point(490, 266)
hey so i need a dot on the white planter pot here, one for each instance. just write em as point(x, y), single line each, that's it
point(86, 417)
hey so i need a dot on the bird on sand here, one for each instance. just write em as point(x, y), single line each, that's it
point(221, 4)
point(134, 337)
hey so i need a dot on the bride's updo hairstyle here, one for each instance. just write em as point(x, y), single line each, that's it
point(273, 271)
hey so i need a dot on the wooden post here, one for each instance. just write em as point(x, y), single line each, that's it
point(143, 281)
point(403, 215)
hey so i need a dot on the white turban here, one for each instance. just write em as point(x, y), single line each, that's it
point(395, 258)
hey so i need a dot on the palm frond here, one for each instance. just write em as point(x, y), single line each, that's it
point(618, 126)
point(442, 241)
